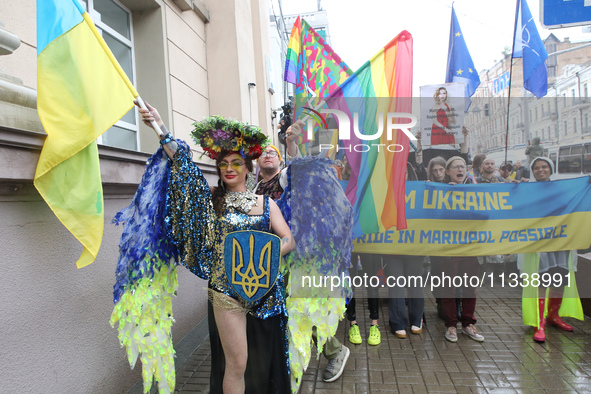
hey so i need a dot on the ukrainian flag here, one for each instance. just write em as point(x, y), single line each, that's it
point(81, 92)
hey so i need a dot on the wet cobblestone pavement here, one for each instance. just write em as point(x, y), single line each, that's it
point(508, 361)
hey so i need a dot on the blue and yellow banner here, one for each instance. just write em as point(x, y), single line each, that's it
point(481, 220)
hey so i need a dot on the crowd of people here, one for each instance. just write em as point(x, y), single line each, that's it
point(248, 339)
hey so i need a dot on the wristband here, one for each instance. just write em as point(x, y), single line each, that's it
point(167, 139)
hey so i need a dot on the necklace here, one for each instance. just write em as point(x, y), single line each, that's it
point(243, 201)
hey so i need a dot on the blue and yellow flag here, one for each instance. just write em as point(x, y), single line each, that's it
point(81, 92)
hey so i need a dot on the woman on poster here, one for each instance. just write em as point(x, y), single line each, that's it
point(443, 119)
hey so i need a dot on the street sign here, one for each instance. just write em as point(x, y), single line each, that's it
point(565, 13)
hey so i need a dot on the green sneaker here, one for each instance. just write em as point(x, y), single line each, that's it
point(354, 334)
point(375, 338)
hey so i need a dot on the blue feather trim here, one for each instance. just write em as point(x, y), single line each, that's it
point(144, 243)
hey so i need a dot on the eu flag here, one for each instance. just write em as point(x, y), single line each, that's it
point(528, 45)
point(460, 67)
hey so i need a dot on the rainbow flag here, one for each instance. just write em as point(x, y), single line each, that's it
point(293, 52)
point(81, 92)
point(377, 183)
point(313, 66)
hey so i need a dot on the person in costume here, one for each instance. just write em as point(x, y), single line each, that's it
point(273, 181)
point(443, 120)
point(551, 302)
point(197, 221)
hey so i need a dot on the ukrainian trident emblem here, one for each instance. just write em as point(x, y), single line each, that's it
point(251, 260)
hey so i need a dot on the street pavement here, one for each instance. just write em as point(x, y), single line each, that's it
point(508, 361)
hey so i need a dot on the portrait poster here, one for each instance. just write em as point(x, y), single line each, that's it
point(442, 115)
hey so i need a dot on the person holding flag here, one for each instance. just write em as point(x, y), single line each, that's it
point(198, 228)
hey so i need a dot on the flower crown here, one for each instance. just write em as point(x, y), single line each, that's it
point(216, 134)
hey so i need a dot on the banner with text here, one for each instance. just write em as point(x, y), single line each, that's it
point(481, 220)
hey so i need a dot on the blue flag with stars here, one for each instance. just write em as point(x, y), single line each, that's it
point(460, 67)
point(528, 45)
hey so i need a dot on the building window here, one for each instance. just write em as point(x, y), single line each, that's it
point(113, 21)
point(575, 125)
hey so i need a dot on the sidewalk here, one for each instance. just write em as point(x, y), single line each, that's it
point(508, 361)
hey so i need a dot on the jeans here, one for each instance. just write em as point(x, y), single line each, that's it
point(398, 267)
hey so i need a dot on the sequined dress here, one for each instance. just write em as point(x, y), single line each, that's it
point(198, 233)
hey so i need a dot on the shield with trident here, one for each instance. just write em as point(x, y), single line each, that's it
point(251, 260)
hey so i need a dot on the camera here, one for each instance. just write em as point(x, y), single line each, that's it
point(285, 122)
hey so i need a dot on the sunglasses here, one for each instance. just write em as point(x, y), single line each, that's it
point(236, 164)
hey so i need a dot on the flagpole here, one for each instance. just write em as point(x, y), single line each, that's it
point(517, 10)
point(153, 122)
point(508, 107)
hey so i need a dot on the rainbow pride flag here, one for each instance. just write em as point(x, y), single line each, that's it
point(313, 66)
point(293, 52)
point(377, 183)
point(81, 92)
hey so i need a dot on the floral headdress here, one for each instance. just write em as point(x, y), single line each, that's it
point(216, 134)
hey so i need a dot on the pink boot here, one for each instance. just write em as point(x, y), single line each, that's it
point(539, 333)
point(553, 306)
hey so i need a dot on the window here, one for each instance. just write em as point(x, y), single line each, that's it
point(552, 157)
point(587, 159)
point(113, 20)
point(575, 125)
point(570, 159)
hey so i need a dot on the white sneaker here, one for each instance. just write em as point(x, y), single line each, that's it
point(472, 332)
point(451, 334)
point(335, 366)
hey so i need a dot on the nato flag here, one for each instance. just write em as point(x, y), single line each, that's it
point(529, 46)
